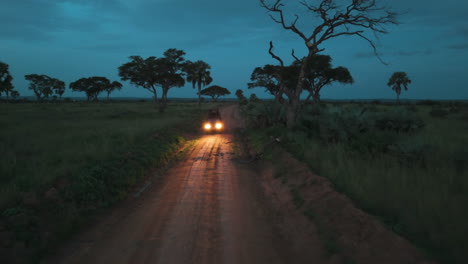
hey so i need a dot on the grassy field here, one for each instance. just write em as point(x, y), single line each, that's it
point(407, 164)
point(62, 162)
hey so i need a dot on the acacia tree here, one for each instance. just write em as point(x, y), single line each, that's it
point(336, 18)
point(153, 72)
point(320, 73)
point(43, 86)
point(92, 86)
point(396, 81)
point(115, 85)
point(215, 92)
point(171, 74)
point(268, 77)
point(141, 72)
point(58, 87)
point(5, 80)
point(15, 94)
point(199, 75)
point(241, 97)
point(253, 98)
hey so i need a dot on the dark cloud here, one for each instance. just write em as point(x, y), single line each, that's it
point(413, 53)
point(364, 55)
point(36, 20)
point(461, 32)
point(462, 46)
point(406, 53)
point(26, 20)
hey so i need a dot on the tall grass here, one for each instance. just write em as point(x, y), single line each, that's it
point(76, 159)
point(43, 142)
point(416, 183)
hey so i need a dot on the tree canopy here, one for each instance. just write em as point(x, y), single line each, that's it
point(198, 74)
point(5, 79)
point(58, 86)
point(318, 74)
point(115, 85)
point(15, 94)
point(43, 86)
point(92, 86)
point(171, 72)
point(397, 80)
point(165, 72)
point(215, 92)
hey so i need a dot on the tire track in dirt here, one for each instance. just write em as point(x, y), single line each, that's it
point(206, 209)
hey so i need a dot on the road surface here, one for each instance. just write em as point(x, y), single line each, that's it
point(205, 210)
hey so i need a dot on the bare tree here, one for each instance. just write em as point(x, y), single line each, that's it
point(336, 18)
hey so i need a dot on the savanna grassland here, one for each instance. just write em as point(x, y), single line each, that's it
point(63, 162)
point(406, 164)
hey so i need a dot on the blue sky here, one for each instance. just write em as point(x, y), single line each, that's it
point(72, 39)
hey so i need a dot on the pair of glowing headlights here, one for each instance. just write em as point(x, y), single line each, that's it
point(217, 125)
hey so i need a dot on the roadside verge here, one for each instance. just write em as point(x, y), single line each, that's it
point(348, 234)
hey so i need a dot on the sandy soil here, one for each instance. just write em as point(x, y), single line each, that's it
point(206, 209)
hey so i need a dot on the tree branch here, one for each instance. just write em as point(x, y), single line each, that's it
point(376, 53)
point(276, 8)
point(294, 56)
point(273, 55)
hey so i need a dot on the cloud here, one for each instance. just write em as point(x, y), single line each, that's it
point(39, 20)
point(462, 46)
point(413, 53)
point(364, 55)
point(403, 53)
point(461, 32)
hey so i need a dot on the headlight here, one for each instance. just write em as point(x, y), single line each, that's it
point(207, 126)
point(218, 125)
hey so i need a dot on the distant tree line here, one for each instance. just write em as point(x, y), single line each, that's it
point(170, 70)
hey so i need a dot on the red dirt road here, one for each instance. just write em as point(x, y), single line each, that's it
point(205, 210)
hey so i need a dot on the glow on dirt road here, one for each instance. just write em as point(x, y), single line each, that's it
point(205, 209)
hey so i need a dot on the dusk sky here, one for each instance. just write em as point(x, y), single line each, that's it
point(72, 39)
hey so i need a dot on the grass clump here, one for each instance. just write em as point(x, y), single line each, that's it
point(406, 166)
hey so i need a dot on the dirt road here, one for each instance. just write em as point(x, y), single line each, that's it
point(206, 210)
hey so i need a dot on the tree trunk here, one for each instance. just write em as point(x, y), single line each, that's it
point(317, 97)
point(294, 98)
point(199, 95)
point(290, 116)
point(278, 97)
point(108, 96)
point(155, 94)
point(163, 99)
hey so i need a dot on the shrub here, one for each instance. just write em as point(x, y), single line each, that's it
point(398, 121)
point(412, 108)
point(438, 113)
point(428, 102)
point(263, 114)
point(454, 109)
